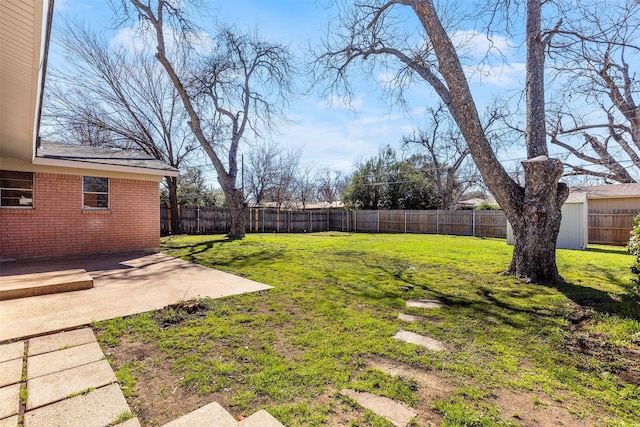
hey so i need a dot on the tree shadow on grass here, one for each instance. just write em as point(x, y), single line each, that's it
point(627, 305)
point(193, 252)
point(621, 250)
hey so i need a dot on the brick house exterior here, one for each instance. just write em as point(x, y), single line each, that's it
point(58, 225)
point(62, 199)
point(49, 207)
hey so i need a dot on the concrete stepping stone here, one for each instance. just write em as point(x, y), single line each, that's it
point(260, 419)
point(212, 414)
point(410, 318)
point(133, 422)
point(9, 422)
point(10, 372)
point(55, 361)
point(413, 338)
point(98, 408)
point(60, 385)
point(398, 413)
point(425, 303)
point(9, 400)
point(11, 351)
point(60, 341)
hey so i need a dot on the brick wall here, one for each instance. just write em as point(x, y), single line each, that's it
point(57, 225)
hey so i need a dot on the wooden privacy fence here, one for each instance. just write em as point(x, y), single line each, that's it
point(201, 220)
point(604, 228)
point(464, 223)
point(610, 228)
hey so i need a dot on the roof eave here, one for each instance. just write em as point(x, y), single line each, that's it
point(104, 167)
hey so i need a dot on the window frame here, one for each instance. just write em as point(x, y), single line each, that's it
point(107, 193)
point(30, 190)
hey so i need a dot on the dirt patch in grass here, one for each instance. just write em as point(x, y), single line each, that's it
point(160, 398)
point(432, 385)
point(620, 361)
point(529, 409)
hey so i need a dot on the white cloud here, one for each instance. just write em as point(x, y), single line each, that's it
point(334, 102)
point(478, 45)
point(505, 75)
point(60, 5)
point(134, 40)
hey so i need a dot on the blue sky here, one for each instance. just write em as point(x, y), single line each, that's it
point(328, 136)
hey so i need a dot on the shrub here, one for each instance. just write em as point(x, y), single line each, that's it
point(486, 206)
point(634, 248)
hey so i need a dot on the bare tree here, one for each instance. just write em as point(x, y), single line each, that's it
point(261, 171)
point(452, 170)
point(109, 96)
point(283, 192)
point(597, 121)
point(306, 184)
point(331, 184)
point(271, 174)
point(241, 86)
point(370, 33)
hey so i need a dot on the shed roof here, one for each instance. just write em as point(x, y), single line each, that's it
point(74, 155)
point(608, 191)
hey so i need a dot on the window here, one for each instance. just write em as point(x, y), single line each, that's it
point(16, 189)
point(95, 193)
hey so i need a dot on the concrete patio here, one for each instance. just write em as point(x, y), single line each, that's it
point(124, 284)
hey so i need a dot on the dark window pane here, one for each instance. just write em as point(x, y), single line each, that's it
point(13, 179)
point(102, 201)
point(95, 185)
point(99, 201)
point(16, 198)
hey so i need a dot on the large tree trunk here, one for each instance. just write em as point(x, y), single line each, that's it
point(235, 202)
point(537, 223)
point(533, 211)
point(172, 185)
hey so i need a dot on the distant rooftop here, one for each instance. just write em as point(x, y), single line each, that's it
point(608, 191)
point(102, 156)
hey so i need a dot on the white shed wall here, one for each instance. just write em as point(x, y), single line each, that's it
point(574, 231)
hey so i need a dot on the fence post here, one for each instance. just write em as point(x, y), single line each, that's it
point(378, 228)
point(355, 221)
point(473, 221)
point(437, 222)
point(310, 223)
point(198, 219)
point(405, 221)
point(263, 219)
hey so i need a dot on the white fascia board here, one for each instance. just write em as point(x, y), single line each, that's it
point(102, 167)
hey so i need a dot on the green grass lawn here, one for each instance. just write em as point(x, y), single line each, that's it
point(335, 304)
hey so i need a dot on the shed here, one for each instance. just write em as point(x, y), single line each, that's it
point(574, 228)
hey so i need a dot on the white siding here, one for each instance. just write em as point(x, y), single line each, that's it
point(574, 230)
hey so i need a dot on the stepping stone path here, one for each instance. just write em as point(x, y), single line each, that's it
point(398, 413)
point(413, 338)
point(215, 415)
point(418, 339)
point(68, 382)
point(411, 318)
point(425, 303)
